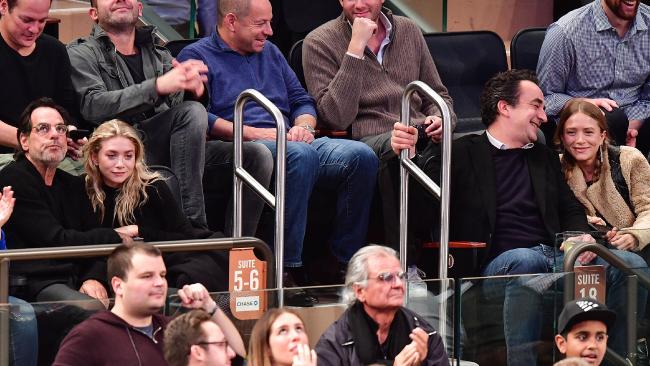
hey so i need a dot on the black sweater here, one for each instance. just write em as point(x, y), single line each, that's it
point(43, 73)
point(52, 216)
point(158, 219)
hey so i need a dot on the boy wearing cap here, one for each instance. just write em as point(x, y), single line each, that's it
point(583, 326)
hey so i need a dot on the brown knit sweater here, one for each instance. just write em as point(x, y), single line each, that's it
point(363, 93)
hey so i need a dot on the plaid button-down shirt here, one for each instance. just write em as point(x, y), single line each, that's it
point(583, 56)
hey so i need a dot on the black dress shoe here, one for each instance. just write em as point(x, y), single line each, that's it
point(295, 277)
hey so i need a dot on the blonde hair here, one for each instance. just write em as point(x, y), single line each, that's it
point(132, 193)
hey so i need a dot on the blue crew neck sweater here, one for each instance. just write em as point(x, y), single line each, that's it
point(268, 72)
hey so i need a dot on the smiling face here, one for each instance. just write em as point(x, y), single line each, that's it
point(286, 334)
point(369, 9)
point(249, 32)
point(45, 148)
point(587, 340)
point(143, 291)
point(622, 9)
point(115, 160)
point(116, 15)
point(23, 24)
point(527, 115)
point(582, 138)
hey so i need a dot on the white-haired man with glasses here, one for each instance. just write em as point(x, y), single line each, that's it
point(376, 327)
point(194, 339)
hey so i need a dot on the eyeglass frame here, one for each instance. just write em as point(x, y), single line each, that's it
point(391, 277)
point(49, 128)
point(223, 344)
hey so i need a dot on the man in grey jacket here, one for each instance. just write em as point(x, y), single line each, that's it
point(120, 72)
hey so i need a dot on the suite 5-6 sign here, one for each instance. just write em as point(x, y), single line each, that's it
point(247, 284)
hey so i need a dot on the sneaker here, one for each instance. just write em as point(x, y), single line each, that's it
point(417, 286)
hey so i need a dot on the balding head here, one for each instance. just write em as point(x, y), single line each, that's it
point(238, 7)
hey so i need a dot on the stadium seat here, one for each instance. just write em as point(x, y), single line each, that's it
point(525, 46)
point(176, 46)
point(295, 61)
point(465, 61)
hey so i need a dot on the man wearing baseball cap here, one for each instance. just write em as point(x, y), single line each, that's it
point(582, 328)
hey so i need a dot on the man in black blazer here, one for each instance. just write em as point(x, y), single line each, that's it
point(508, 191)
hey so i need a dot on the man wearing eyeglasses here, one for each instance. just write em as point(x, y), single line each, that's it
point(51, 211)
point(132, 332)
point(376, 328)
point(194, 339)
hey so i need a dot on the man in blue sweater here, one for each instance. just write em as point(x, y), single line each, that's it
point(239, 57)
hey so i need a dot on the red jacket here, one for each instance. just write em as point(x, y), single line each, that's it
point(106, 339)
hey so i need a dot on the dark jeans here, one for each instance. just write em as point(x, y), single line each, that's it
point(218, 182)
point(176, 138)
point(62, 308)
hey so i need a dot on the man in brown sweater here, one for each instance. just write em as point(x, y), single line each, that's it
point(356, 67)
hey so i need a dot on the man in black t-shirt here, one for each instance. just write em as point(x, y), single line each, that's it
point(32, 65)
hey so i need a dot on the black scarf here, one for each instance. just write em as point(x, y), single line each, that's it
point(364, 333)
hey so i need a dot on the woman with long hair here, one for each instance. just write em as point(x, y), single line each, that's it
point(611, 182)
point(124, 194)
point(279, 339)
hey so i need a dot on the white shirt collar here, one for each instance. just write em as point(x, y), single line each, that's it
point(500, 145)
point(389, 29)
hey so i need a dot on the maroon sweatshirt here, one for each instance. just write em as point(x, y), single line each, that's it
point(106, 339)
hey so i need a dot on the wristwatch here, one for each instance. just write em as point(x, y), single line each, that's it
point(309, 128)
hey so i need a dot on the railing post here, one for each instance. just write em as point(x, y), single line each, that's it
point(240, 176)
point(408, 167)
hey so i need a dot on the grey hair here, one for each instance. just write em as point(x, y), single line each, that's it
point(357, 273)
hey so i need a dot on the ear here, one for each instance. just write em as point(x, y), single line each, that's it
point(92, 12)
point(229, 21)
point(116, 284)
point(502, 108)
point(197, 352)
point(93, 158)
point(560, 342)
point(359, 292)
point(139, 8)
point(24, 142)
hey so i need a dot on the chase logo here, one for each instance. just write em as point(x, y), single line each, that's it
point(247, 303)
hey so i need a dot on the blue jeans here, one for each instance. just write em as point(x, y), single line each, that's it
point(23, 339)
point(346, 166)
point(522, 308)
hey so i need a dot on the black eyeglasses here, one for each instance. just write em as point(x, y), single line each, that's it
point(391, 277)
point(223, 344)
point(43, 128)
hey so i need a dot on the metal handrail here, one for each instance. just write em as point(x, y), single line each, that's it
point(241, 176)
point(634, 275)
point(6, 256)
point(407, 167)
